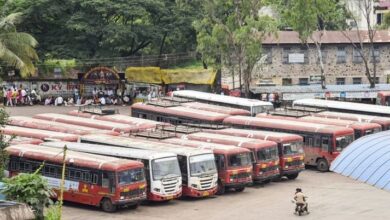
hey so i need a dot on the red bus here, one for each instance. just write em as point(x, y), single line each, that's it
point(322, 143)
point(55, 126)
point(87, 122)
point(142, 124)
point(360, 128)
point(234, 164)
point(383, 121)
point(383, 98)
point(265, 153)
point(177, 115)
point(216, 108)
point(290, 148)
point(39, 134)
point(90, 179)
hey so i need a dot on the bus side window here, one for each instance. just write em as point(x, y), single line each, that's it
point(358, 134)
point(325, 144)
point(317, 141)
point(105, 180)
point(220, 162)
point(310, 141)
point(95, 179)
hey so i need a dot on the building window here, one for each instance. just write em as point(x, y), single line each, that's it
point(268, 53)
point(303, 81)
point(285, 52)
point(286, 82)
point(340, 81)
point(357, 58)
point(376, 55)
point(357, 80)
point(295, 57)
point(341, 55)
point(324, 54)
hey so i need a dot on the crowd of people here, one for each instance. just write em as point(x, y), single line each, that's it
point(13, 96)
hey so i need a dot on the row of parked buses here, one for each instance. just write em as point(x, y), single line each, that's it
point(110, 165)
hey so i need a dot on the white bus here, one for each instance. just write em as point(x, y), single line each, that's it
point(198, 169)
point(161, 168)
point(340, 106)
point(254, 106)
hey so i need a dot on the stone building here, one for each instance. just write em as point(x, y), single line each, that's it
point(290, 62)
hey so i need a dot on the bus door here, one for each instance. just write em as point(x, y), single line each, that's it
point(108, 182)
point(326, 146)
point(220, 162)
point(184, 169)
point(310, 149)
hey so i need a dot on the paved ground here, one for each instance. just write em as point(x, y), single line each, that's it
point(331, 196)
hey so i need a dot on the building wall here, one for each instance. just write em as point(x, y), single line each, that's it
point(278, 70)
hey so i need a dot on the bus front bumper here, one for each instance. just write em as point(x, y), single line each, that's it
point(158, 197)
point(191, 192)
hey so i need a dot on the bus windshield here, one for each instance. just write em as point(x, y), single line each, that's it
point(131, 176)
point(165, 168)
point(238, 160)
point(292, 148)
point(201, 164)
point(343, 142)
point(265, 154)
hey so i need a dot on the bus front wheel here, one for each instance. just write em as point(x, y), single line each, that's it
point(221, 188)
point(322, 165)
point(240, 189)
point(292, 176)
point(107, 205)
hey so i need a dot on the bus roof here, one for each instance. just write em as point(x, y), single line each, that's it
point(220, 98)
point(287, 125)
point(124, 119)
point(88, 122)
point(349, 106)
point(230, 140)
point(216, 108)
point(278, 137)
point(141, 144)
point(54, 155)
point(355, 117)
point(110, 150)
point(21, 140)
point(341, 122)
point(183, 112)
point(37, 133)
point(28, 122)
point(216, 148)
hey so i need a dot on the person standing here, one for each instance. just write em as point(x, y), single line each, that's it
point(9, 98)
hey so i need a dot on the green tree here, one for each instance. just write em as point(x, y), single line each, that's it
point(29, 188)
point(17, 49)
point(232, 30)
point(311, 19)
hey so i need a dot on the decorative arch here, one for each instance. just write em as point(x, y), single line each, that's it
point(101, 75)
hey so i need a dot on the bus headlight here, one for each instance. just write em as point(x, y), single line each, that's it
point(194, 186)
point(286, 167)
point(156, 189)
point(122, 197)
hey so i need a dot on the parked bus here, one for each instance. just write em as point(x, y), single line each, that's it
point(142, 124)
point(87, 122)
point(350, 107)
point(21, 140)
point(290, 148)
point(161, 168)
point(198, 170)
point(234, 164)
point(34, 123)
point(383, 121)
point(383, 98)
point(89, 179)
point(252, 105)
point(216, 108)
point(37, 133)
point(265, 153)
point(360, 128)
point(322, 143)
point(178, 115)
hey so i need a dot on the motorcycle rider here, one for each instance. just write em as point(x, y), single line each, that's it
point(300, 199)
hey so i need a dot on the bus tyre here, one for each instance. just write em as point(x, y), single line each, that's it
point(266, 181)
point(107, 205)
point(322, 165)
point(292, 176)
point(221, 188)
point(240, 189)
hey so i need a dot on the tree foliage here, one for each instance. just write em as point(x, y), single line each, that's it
point(231, 31)
point(29, 188)
point(86, 29)
point(17, 49)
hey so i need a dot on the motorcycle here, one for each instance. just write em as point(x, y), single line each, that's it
point(299, 209)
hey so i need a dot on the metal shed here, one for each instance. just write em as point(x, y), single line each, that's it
point(367, 160)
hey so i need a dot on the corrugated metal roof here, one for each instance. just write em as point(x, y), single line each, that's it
point(367, 159)
point(330, 37)
point(317, 88)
